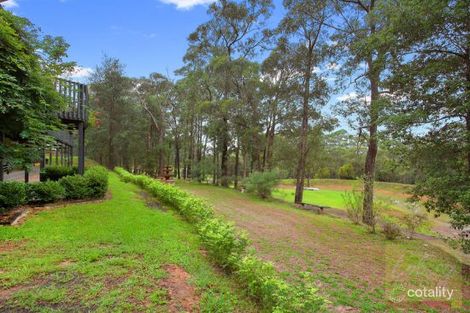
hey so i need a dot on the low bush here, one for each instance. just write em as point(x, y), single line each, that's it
point(224, 244)
point(76, 187)
point(45, 192)
point(97, 181)
point(391, 230)
point(93, 184)
point(414, 219)
point(12, 194)
point(227, 247)
point(264, 285)
point(353, 200)
point(57, 172)
point(261, 183)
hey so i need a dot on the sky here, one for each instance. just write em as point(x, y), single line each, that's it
point(146, 35)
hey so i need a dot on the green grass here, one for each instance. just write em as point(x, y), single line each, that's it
point(107, 256)
point(330, 198)
point(391, 195)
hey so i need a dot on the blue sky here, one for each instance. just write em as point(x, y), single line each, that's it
point(146, 35)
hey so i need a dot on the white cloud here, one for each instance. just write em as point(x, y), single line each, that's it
point(79, 73)
point(333, 66)
point(186, 4)
point(353, 96)
point(10, 4)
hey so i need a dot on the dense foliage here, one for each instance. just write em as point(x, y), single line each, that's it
point(227, 247)
point(55, 173)
point(29, 103)
point(261, 183)
point(12, 194)
point(92, 185)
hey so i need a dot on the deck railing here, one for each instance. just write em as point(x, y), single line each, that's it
point(76, 97)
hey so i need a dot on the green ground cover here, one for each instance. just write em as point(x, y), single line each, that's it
point(108, 256)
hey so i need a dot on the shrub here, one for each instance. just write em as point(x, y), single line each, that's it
point(12, 194)
point(353, 201)
point(93, 184)
point(391, 230)
point(346, 171)
point(264, 285)
point(97, 181)
point(414, 220)
point(76, 187)
point(57, 172)
point(261, 183)
point(223, 243)
point(45, 192)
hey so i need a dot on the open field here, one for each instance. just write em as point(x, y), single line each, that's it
point(354, 269)
point(117, 255)
point(392, 198)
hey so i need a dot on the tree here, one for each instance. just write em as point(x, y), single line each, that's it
point(303, 40)
point(29, 102)
point(431, 92)
point(365, 53)
point(110, 97)
point(235, 31)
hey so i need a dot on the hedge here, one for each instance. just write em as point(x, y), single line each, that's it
point(57, 172)
point(93, 184)
point(12, 194)
point(227, 247)
point(45, 192)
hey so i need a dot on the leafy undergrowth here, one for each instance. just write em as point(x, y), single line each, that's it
point(353, 269)
point(110, 256)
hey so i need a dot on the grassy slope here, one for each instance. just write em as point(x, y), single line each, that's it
point(353, 267)
point(106, 256)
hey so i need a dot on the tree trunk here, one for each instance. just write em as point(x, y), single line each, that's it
point(300, 173)
point(237, 156)
point(177, 159)
point(369, 167)
point(224, 160)
point(214, 162)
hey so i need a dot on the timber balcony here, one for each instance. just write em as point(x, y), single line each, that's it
point(76, 98)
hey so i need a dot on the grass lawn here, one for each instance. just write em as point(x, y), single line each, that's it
point(116, 255)
point(393, 197)
point(353, 269)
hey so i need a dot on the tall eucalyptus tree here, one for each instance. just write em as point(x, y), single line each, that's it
point(304, 40)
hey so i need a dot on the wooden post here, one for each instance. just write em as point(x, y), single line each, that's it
point(62, 154)
point(56, 155)
point(71, 156)
point(1, 157)
point(81, 148)
point(26, 175)
point(43, 159)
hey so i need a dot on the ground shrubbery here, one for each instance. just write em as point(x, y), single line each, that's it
point(89, 186)
point(391, 230)
point(227, 247)
point(44, 192)
point(12, 194)
point(261, 183)
point(57, 172)
point(353, 200)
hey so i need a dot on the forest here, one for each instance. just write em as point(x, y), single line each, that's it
point(338, 89)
